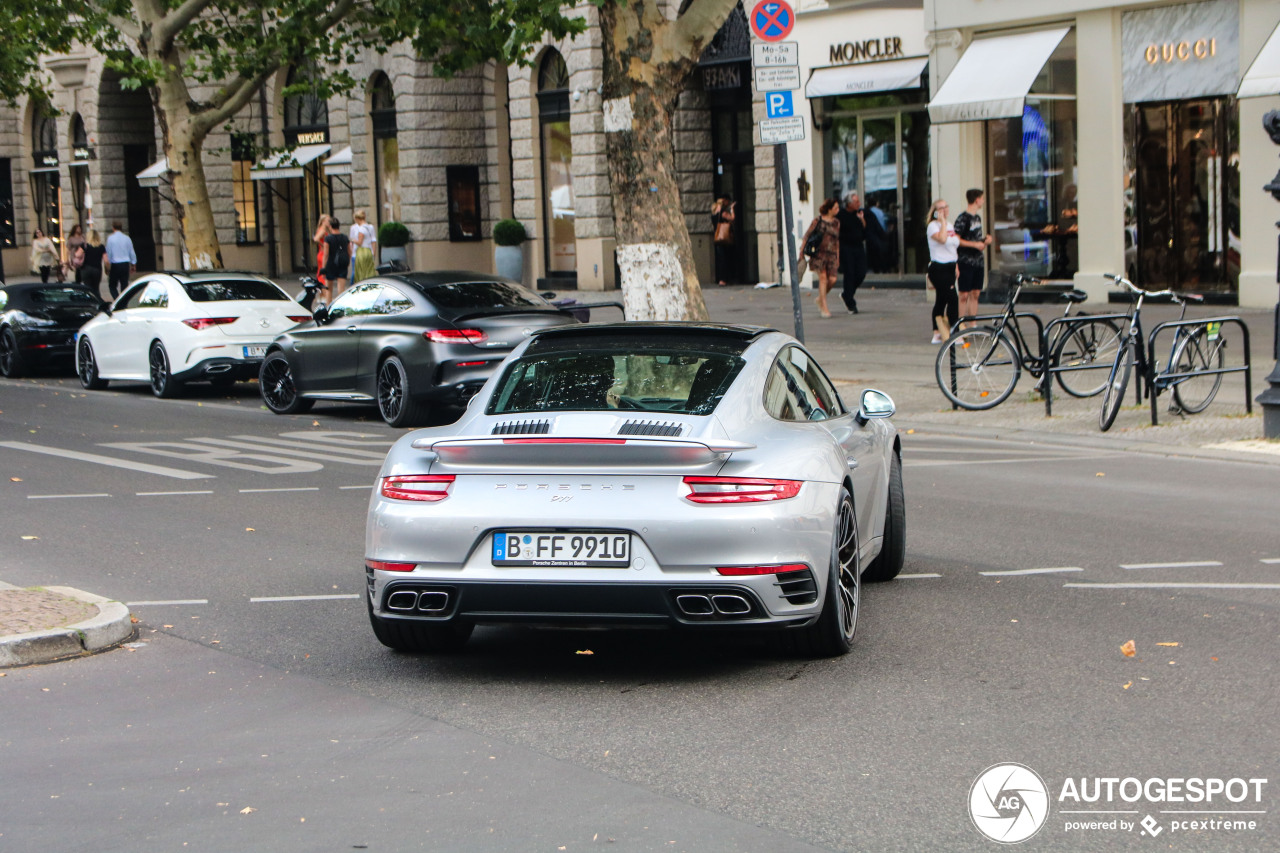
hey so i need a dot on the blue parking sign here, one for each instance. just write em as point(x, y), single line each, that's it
point(778, 105)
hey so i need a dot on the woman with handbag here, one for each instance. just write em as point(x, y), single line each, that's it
point(822, 249)
point(722, 217)
point(44, 257)
point(75, 251)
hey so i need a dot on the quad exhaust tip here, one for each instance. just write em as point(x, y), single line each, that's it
point(703, 605)
point(429, 601)
point(695, 605)
point(731, 605)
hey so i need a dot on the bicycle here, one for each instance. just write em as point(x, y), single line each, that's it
point(1196, 355)
point(977, 368)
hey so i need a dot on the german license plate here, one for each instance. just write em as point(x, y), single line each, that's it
point(255, 352)
point(562, 550)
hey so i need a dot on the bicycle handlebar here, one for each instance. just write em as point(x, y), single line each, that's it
point(1121, 280)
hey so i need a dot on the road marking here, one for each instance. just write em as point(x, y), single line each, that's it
point(161, 603)
point(323, 455)
point(54, 497)
point(374, 485)
point(1198, 565)
point(1186, 585)
point(302, 598)
point(287, 489)
point(205, 455)
point(1035, 571)
point(165, 494)
point(110, 461)
point(323, 445)
point(909, 463)
point(921, 575)
point(1270, 560)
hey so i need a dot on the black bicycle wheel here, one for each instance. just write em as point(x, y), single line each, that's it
point(977, 368)
point(1086, 353)
point(1195, 353)
point(1117, 384)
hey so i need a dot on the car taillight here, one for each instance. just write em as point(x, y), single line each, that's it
point(455, 336)
point(301, 318)
point(761, 570)
point(739, 490)
point(383, 566)
point(417, 487)
point(201, 323)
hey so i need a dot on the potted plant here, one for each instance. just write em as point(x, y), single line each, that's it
point(392, 238)
point(508, 256)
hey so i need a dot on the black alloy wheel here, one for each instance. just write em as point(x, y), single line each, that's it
point(87, 367)
point(162, 382)
point(12, 364)
point(395, 401)
point(832, 634)
point(275, 382)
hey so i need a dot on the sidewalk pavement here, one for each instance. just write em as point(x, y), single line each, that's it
point(50, 623)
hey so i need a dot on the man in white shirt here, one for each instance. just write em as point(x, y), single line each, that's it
point(121, 259)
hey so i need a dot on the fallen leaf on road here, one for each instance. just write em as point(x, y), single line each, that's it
point(1212, 659)
point(1100, 474)
point(29, 538)
point(585, 652)
point(911, 432)
point(16, 479)
point(224, 804)
point(133, 619)
point(249, 530)
point(3, 674)
point(1129, 649)
point(1166, 644)
point(248, 810)
point(1127, 685)
point(315, 423)
point(166, 626)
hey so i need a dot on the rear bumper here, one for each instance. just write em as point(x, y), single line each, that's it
point(220, 367)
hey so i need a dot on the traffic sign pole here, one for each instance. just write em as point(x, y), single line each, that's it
point(783, 170)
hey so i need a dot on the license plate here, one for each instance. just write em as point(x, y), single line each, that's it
point(567, 550)
point(255, 352)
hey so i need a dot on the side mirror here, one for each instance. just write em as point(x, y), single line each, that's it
point(548, 294)
point(321, 315)
point(875, 404)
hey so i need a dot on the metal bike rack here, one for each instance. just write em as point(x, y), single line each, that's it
point(1154, 389)
point(1077, 320)
point(1017, 345)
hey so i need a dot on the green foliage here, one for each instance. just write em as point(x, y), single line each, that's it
point(509, 232)
point(392, 235)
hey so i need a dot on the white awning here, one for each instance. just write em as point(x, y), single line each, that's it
point(339, 164)
point(40, 170)
point(287, 164)
point(993, 77)
point(865, 78)
point(1263, 76)
point(150, 176)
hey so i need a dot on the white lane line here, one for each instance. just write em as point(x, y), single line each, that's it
point(161, 603)
point(110, 461)
point(1197, 565)
point(302, 598)
point(323, 447)
point(166, 494)
point(1036, 571)
point(288, 489)
point(920, 575)
point(55, 497)
point(1184, 585)
point(931, 463)
point(1271, 561)
point(372, 486)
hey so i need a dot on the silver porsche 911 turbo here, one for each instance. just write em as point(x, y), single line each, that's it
point(641, 474)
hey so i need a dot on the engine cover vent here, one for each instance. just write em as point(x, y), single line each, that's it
point(522, 428)
point(665, 428)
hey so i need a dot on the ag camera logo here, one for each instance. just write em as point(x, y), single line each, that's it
point(1008, 803)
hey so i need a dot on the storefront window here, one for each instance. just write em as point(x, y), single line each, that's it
point(386, 150)
point(244, 191)
point(306, 122)
point(46, 187)
point(1032, 213)
point(557, 161)
point(464, 202)
point(8, 231)
point(81, 154)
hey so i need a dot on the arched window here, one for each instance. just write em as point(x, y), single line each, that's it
point(46, 193)
point(305, 113)
point(386, 149)
point(557, 161)
point(81, 154)
point(45, 136)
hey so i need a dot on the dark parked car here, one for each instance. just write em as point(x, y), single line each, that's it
point(405, 342)
point(38, 324)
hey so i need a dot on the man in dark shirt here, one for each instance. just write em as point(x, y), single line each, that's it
point(853, 249)
point(971, 253)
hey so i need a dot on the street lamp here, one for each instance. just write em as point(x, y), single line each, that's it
point(1270, 398)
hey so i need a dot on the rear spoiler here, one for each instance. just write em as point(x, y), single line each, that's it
point(578, 452)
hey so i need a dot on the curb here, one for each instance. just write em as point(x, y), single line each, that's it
point(111, 627)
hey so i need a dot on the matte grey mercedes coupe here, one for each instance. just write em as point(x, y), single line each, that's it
point(682, 475)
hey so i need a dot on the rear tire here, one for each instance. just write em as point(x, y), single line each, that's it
point(163, 384)
point(893, 547)
point(12, 364)
point(832, 635)
point(987, 367)
point(1092, 347)
point(276, 385)
point(87, 367)
point(1196, 352)
point(395, 397)
point(1117, 384)
point(416, 637)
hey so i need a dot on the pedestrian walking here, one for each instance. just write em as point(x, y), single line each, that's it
point(75, 257)
point(723, 214)
point(44, 256)
point(971, 254)
point(853, 249)
point(91, 269)
point(121, 259)
point(317, 236)
point(825, 261)
point(337, 254)
point(363, 239)
point(943, 241)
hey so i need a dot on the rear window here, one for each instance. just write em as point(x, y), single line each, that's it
point(231, 290)
point(678, 381)
point(63, 296)
point(484, 294)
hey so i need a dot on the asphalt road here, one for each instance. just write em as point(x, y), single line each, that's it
point(236, 537)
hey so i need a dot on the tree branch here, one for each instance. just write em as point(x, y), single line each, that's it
point(168, 27)
point(697, 25)
point(230, 99)
point(127, 27)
